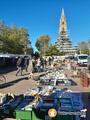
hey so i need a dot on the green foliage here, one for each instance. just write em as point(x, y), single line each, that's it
point(84, 47)
point(36, 55)
point(42, 43)
point(52, 50)
point(30, 51)
point(14, 40)
point(62, 53)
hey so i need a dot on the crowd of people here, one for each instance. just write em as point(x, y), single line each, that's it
point(32, 65)
point(40, 64)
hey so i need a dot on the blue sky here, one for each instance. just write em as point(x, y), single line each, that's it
point(42, 17)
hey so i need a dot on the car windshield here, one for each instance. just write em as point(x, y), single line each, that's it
point(83, 57)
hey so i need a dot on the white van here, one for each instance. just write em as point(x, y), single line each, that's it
point(82, 59)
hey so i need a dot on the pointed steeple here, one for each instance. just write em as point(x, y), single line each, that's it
point(62, 12)
point(63, 24)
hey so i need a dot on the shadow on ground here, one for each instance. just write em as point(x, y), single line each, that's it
point(8, 84)
point(5, 70)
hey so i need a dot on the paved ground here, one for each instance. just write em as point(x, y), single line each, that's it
point(18, 84)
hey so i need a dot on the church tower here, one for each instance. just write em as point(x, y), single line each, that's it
point(63, 43)
point(62, 28)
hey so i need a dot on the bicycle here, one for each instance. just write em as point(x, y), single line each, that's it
point(2, 79)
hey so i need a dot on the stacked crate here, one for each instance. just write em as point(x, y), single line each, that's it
point(84, 80)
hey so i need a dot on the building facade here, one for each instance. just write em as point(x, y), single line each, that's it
point(63, 43)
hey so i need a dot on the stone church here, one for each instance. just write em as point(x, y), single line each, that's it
point(63, 43)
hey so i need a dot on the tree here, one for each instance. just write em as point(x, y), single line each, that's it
point(84, 47)
point(24, 39)
point(42, 43)
point(52, 50)
point(36, 55)
point(30, 51)
point(14, 40)
point(88, 44)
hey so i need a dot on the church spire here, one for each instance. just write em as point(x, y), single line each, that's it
point(63, 24)
point(62, 13)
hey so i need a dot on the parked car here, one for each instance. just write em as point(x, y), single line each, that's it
point(82, 59)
